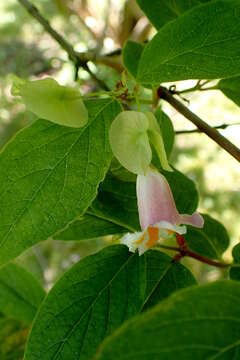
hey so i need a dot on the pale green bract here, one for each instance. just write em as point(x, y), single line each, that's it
point(129, 141)
point(50, 101)
point(130, 136)
point(155, 136)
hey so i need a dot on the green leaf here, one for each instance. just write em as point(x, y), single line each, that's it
point(90, 301)
point(204, 43)
point(231, 88)
point(50, 175)
point(117, 202)
point(161, 12)
point(195, 323)
point(96, 296)
point(184, 191)
point(89, 227)
point(129, 141)
point(118, 171)
point(211, 241)
point(50, 101)
point(114, 211)
point(234, 271)
point(164, 276)
point(13, 336)
point(131, 55)
point(167, 130)
point(20, 293)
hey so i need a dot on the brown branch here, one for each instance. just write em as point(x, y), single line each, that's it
point(222, 126)
point(166, 95)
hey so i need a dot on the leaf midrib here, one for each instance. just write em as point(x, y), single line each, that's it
point(51, 171)
point(91, 305)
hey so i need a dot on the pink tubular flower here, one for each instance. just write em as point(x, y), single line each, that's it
point(159, 217)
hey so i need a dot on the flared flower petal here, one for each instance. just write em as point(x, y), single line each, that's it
point(156, 202)
point(151, 236)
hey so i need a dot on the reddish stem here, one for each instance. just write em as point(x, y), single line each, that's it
point(184, 251)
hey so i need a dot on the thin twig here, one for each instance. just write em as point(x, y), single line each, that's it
point(79, 59)
point(222, 126)
point(233, 150)
point(186, 252)
point(45, 23)
point(100, 82)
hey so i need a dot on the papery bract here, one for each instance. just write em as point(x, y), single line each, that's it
point(129, 141)
point(50, 101)
point(130, 135)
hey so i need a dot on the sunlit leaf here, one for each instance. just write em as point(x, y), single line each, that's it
point(50, 175)
point(131, 55)
point(204, 43)
point(163, 11)
point(231, 88)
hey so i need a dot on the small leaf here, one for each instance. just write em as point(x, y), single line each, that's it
point(204, 43)
point(129, 141)
point(211, 241)
point(231, 88)
point(161, 12)
point(50, 175)
point(117, 203)
point(167, 130)
point(234, 271)
point(50, 101)
point(20, 293)
point(195, 323)
point(131, 55)
point(90, 301)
